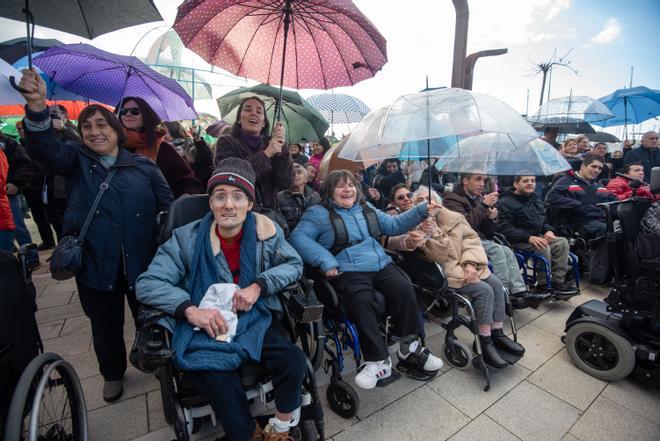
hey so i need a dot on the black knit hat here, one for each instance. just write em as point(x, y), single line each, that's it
point(236, 172)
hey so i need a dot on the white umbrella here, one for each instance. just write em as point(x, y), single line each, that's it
point(9, 95)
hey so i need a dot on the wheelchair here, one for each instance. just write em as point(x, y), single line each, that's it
point(183, 407)
point(40, 394)
point(613, 338)
point(453, 310)
point(532, 263)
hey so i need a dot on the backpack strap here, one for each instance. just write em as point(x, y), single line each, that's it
point(372, 221)
point(341, 232)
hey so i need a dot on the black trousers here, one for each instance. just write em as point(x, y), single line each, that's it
point(357, 293)
point(106, 313)
point(286, 363)
point(40, 217)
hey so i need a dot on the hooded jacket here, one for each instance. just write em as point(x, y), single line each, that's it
point(521, 216)
point(166, 283)
point(123, 230)
point(473, 209)
point(453, 245)
point(314, 236)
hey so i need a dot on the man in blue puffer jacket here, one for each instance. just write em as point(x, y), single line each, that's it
point(362, 266)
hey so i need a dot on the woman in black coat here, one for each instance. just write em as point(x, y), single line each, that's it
point(269, 156)
point(121, 239)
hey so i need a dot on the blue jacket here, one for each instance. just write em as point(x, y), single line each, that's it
point(124, 229)
point(314, 236)
point(573, 192)
point(648, 157)
point(166, 283)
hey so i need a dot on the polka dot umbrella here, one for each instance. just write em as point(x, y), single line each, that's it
point(300, 44)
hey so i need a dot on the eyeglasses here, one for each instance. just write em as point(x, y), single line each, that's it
point(404, 196)
point(135, 111)
point(236, 197)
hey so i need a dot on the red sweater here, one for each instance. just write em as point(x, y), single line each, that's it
point(6, 219)
point(232, 251)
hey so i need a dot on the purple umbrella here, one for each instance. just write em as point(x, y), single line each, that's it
point(108, 77)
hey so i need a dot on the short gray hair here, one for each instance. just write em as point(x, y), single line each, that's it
point(422, 189)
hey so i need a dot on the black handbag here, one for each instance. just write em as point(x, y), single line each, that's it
point(66, 261)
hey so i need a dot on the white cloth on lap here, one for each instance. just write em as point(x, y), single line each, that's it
point(220, 296)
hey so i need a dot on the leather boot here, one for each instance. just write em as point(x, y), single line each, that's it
point(491, 356)
point(503, 342)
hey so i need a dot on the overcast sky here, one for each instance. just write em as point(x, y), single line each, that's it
point(605, 37)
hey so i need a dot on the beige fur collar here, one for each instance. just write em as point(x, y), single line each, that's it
point(265, 230)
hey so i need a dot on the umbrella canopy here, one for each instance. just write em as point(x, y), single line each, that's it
point(300, 119)
point(574, 128)
point(108, 77)
point(86, 18)
point(13, 50)
point(631, 106)
point(338, 108)
point(603, 137)
point(332, 43)
point(331, 162)
point(8, 95)
point(452, 124)
point(571, 109)
point(8, 126)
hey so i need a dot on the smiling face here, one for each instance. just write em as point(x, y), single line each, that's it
point(99, 136)
point(345, 194)
point(525, 186)
point(252, 118)
point(317, 148)
point(128, 116)
point(403, 199)
point(230, 206)
point(590, 172)
point(391, 167)
point(570, 148)
point(599, 149)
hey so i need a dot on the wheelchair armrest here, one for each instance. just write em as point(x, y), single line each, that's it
point(396, 256)
point(301, 302)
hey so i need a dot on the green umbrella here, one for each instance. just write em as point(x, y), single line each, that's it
point(301, 120)
point(8, 125)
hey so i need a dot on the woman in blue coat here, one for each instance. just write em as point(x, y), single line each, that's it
point(121, 239)
point(358, 267)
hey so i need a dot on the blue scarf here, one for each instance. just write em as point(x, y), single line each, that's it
point(195, 350)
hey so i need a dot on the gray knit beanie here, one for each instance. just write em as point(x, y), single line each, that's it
point(236, 172)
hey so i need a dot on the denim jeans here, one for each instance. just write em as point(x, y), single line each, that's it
point(22, 233)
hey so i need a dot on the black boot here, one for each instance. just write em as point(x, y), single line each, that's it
point(503, 342)
point(491, 356)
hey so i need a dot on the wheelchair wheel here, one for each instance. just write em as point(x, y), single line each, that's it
point(599, 351)
point(343, 399)
point(311, 344)
point(180, 425)
point(166, 379)
point(458, 357)
point(436, 307)
point(48, 403)
point(308, 431)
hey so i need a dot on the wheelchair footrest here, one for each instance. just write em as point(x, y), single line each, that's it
point(389, 380)
point(510, 358)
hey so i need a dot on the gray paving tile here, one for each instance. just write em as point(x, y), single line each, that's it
point(155, 411)
point(531, 413)
point(334, 424)
point(606, 420)
point(373, 400)
point(58, 312)
point(569, 437)
point(85, 364)
point(483, 428)
point(560, 377)
point(526, 315)
point(464, 389)
point(49, 330)
point(70, 344)
point(635, 397)
point(554, 321)
point(422, 415)
point(539, 345)
point(121, 421)
point(58, 288)
point(135, 383)
point(44, 302)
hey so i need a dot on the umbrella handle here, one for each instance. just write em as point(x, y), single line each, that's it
point(12, 81)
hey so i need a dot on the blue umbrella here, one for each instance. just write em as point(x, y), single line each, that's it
point(108, 77)
point(631, 106)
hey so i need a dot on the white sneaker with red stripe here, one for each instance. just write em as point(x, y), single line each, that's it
point(371, 371)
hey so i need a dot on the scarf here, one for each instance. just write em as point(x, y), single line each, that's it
point(137, 143)
point(195, 350)
point(254, 142)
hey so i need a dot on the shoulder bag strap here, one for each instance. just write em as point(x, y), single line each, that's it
point(88, 220)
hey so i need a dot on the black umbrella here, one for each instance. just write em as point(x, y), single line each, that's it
point(603, 137)
point(13, 50)
point(86, 18)
point(574, 128)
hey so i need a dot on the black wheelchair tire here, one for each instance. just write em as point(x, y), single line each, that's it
point(620, 367)
point(343, 399)
point(462, 362)
point(311, 345)
point(167, 394)
point(180, 426)
point(25, 393)
point(308, 431)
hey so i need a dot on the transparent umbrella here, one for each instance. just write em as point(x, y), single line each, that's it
point(457, 125)
point(571, 109)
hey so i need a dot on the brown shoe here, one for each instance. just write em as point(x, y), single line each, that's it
point(274, 436)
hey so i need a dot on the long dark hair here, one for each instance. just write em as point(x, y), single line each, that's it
point(176, 129)
point(150, 119)
point(334, 179)
point(236, 127)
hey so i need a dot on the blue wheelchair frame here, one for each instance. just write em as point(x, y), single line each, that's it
point(540, 263)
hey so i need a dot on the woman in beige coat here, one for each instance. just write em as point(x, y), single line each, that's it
point(453, 244)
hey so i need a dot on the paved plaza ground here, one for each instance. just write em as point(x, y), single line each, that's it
point(543, 397)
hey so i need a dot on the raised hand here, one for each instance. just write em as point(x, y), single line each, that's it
point(276, 141)
point(34, 90)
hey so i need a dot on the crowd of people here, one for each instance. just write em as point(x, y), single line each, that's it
point(271, 213)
